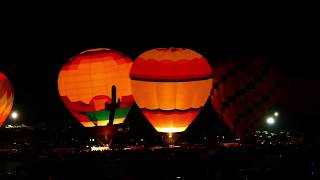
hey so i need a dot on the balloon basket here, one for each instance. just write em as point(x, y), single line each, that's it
point(170, 139)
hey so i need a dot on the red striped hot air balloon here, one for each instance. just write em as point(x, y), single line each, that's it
point(170, 85)
point(244, 92)
point(89, 80)
point(6, 98)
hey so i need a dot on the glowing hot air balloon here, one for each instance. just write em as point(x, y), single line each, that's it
point(6, 98)
point(244, 92)
point(170, 85)
point(89, 80)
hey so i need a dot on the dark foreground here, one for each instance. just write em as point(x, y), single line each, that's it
point(268, 162)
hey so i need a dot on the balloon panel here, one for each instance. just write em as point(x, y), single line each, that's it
point(171, 121)
point(171, 95)
point(173, 64)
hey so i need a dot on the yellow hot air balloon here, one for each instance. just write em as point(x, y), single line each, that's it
point(170, 85)
point(6, 98)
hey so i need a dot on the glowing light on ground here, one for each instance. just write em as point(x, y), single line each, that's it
point(270, 120)
point(94, 148)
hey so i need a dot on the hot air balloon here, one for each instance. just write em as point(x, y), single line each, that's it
point(95, 86)
point(170, 85)
point(244, 92)
point(6, 98)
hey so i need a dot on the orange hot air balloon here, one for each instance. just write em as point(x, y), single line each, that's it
point(6, 98)
point(85, 86)
point(170, 85)
point(244, 92)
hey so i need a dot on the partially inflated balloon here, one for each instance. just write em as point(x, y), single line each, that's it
point(85, 86)
point(244, 92)
point(170, 85)
point(6, 98)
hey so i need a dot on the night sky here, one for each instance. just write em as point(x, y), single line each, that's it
point(32, 56)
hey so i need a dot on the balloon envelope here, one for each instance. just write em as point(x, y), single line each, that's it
point(85, 86)
point(170, 85)
point(6, 98)
point(244, 92)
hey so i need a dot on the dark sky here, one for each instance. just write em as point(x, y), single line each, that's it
point(32, 56)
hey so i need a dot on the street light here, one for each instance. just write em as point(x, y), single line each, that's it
point(14, 115)
point(270, 120)
point(276, 114)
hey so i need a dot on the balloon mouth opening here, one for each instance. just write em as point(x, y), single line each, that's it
point(170, 131)
point(170, 139)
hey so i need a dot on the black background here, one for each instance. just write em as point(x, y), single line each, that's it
point(34, 47)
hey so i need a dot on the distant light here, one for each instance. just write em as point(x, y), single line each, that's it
point(178, 177)
point(87, 146)
point(104, 148)
point(170, 135)
point(141, 139)
point(276, 114)
point(270, 120)
point(14, 115)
